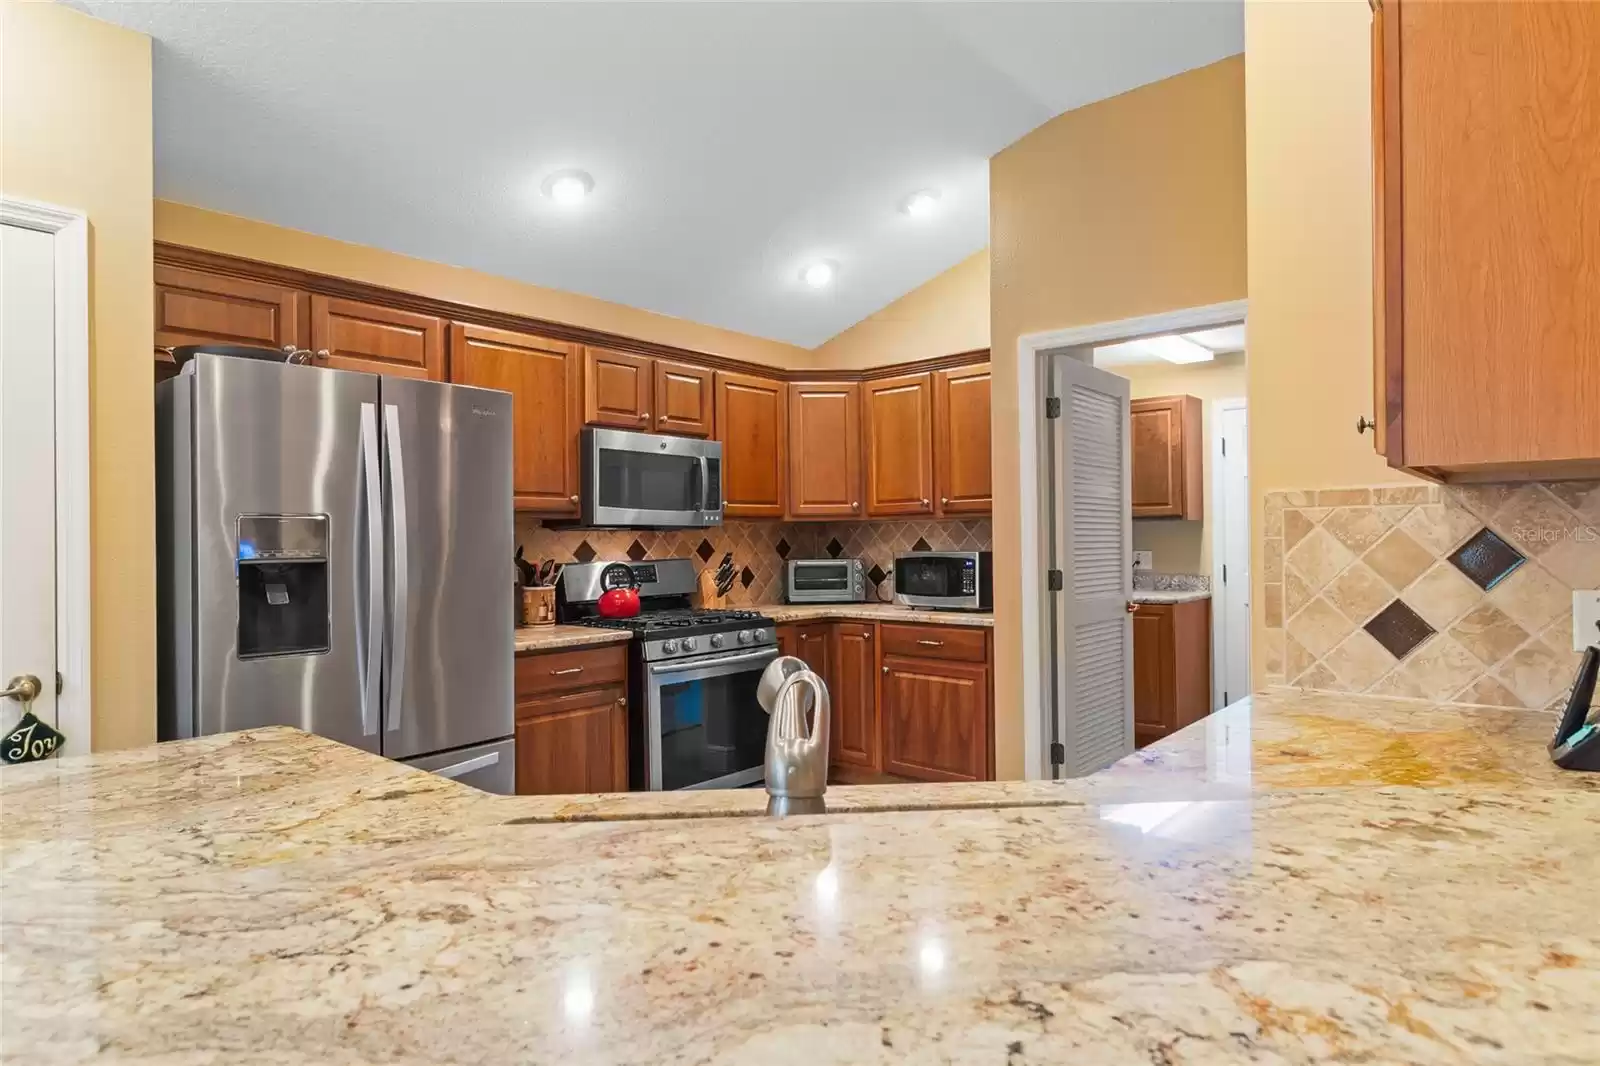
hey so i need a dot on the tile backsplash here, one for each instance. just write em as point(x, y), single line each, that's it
point(761, 548)
point(1460, 593)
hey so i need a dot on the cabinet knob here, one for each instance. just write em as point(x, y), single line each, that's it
point(886, 669)
point(1364, 423)
point(855, 505)
point(924, 502)
point(944, 501)
point(644, 416)
point(323, 354)
point(572, 499)
point(1132, 607)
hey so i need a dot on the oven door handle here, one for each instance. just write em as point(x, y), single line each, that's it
point(695, 671)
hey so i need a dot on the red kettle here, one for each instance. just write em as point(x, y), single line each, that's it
point(621, 596)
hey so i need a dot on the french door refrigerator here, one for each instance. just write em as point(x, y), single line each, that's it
point(334, 553)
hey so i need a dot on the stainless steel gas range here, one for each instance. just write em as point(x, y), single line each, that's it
point(693, 717)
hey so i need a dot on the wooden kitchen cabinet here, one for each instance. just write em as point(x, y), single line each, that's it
point(1168, 457)
point(572, 721)
point(617, 388)
point(825, 450)
point(352, 335)
point(1171, 667)
point(752, 424)
point(814, 645)
point(543, 378)
point(685, 399)
point(194, 307)
point(853, 689)
point(934, 709)
point(1487, 256)
point(898, 418)
point(961, 440)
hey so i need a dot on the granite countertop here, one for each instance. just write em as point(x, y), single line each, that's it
point(546, 638)
point(872, 612)
point(1169, 595)
point(1296, 879)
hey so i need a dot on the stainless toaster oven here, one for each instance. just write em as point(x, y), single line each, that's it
point(826, 581)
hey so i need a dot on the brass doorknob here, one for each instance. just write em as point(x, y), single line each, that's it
point(1364, 423)
point(1132, 607)
point(24, 687)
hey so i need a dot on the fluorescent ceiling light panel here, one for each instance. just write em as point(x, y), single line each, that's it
point(1177, 349)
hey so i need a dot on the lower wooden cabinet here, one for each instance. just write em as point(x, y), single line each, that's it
point(1171, 668)
point(572, 721)
point(853, 687)
point(935, 719)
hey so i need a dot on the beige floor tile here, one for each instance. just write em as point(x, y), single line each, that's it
point(1441, 527)
point(1398, 558)
point(1359, 661)
point(1489, 633)
point(1535, 672)
point(1442, 595)
point(1320, 679)
point(1397, 683)
point(1357, 528)
point(1319, 558)
point(1318, 628)
point(1359, 592)
point(1531, 596)
point(1440, 668)
point(1481, 500)
point(1583, 497)
point(1489, 692)
point(1574, 562)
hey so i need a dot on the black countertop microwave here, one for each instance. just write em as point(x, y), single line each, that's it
point(949, 581)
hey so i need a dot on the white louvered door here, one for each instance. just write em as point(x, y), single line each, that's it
point(1093, 523)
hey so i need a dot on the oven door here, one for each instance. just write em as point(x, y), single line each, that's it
point(647, 479)
point(704, 726)
point(815, 581)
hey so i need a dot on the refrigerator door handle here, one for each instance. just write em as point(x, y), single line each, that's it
point(374, 651)
point(399, 517)
point(481, 762)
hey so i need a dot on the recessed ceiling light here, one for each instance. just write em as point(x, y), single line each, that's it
point(820, 275)
point(568, 186)
point(921, 203)
point(1176, 349)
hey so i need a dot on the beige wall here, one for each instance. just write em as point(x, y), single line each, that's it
point(1128, 206)
point(1185, 547)
point(230, 234)
point(946, 314)
point(1309, 164)
point(75, 132)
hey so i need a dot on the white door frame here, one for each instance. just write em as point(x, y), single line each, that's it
point(1220, 633)
point(1035, 549)
point(70, 230)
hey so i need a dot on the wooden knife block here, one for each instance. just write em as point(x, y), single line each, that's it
point(709, 600)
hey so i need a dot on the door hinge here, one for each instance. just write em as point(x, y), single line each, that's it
point(1052, 407)
point(1224, 445)
point(1224, 573)
point(1058, 755)
point(1057, 581)
point(1225, 700)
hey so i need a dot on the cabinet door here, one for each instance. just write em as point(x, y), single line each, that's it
point(935, 719)
point(573, 743)
point(825, 450)
point(899, 431)
point(961, 440)
point(752, 424)
point(542, 376)
point(1167, 457)
point(814, 644)
point(685, 399)
point(854, 691)
point(616, 389)
point(789, 640)
point(349, 335)
point(1386, 290)
point(1152, 673)
point(193, 307)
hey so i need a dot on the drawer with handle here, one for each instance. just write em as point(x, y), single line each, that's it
point(571, 669)
point(962, 643)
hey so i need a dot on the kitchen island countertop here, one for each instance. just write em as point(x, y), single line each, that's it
point(1295, 879)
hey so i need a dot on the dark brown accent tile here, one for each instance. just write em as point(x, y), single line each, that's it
point(1399, 629)
point(1486, 559)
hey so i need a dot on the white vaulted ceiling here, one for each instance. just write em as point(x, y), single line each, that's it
point(730, 144)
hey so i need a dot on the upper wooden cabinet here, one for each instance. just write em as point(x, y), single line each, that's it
point(349, 335)
point(1487, 266)
point(961, 448)
point(193, 307)
point(1168, 457)
point(542, 377)
point(685, 401)
point(616, 389)
point(825, 450)
point(898, 416)
point(752, 424)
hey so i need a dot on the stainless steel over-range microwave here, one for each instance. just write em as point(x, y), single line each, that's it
point(951, 581)
point(649, 479)
point(826, 581)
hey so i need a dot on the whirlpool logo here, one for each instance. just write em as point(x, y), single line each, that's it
point(483, 412)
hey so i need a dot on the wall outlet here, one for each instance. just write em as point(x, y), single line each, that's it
point(1585, 615)
point(1147, 560)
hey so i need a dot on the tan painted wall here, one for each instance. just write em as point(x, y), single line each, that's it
point(946, 314)
point(1308, 113)
point(1128, 206)
point(75, 132)
point(230, 234)
point(1185, 547)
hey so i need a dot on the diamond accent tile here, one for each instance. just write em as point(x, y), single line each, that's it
point(747, 577)
point(1486, 559)
point(637, 551)
point(584, 553)
point(1399, 629)
point(783, 548)
point(705, 551)
point(877, 574)
point(922, 545)
point(835, 549)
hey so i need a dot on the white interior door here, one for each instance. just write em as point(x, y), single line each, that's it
point(1232, 607)
point(27, 467)
point(1092, 516)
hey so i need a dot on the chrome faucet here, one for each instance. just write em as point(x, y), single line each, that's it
point(797, 758)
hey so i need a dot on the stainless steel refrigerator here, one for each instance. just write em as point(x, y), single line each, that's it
point(335, 553)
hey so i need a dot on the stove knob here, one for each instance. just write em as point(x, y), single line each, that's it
point(716, 640)
point(669, 646)
point(762, 636)
point(745, 637)
point(689, 643)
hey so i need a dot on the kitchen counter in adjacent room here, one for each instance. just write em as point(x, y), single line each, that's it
point(1169, 595)
point(1294, 879)
point(546, 638)
point(783, 613)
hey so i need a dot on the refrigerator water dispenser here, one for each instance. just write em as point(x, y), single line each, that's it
point(283, 585)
